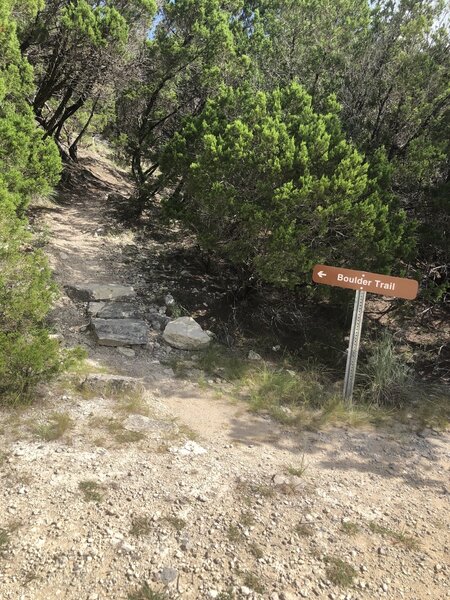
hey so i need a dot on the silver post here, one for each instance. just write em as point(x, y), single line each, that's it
point(353, 346)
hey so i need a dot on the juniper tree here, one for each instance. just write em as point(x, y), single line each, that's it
point(190, 52)
point(29, 165)
point(80, 50)
point(389, 65)
point(270, 184)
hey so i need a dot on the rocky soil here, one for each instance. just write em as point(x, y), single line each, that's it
point(142, 485)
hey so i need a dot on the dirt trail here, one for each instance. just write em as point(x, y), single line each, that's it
point(206, 500)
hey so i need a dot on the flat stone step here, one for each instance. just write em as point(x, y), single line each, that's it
point(141, 424)
point(87, 292)
point(106, 383)
point(120, 332)
point(119, 310)
point(94, 307)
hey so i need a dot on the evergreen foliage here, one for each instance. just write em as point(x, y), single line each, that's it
point(81, 52)
point(190, 53)
point(389, 65)
point(386, 63)
point(271, 184)
point(29, 165)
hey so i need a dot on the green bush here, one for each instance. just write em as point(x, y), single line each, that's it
point(29, 165)
point(273, 389)
point(27, 359)
point(274, 186)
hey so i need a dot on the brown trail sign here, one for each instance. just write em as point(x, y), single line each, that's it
point(384, 285)
point(362, 282)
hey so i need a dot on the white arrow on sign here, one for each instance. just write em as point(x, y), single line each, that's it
point(321, 274)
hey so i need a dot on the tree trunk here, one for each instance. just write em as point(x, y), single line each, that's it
point(71, 110)
point(136, 166)
point(52, 122)
point(73, 148)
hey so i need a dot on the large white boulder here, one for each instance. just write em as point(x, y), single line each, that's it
point(186, 334)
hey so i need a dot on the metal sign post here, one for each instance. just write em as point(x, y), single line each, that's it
point(353, 346)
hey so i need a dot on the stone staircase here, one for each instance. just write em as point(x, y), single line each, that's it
point(115, 320)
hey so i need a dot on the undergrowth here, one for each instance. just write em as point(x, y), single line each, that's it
point(141, 525)
point(388, 379)
point(309, 396)
point(91, 490)
point(339, 572)
point(55, 428)
point(146, 593)
point(398, 537)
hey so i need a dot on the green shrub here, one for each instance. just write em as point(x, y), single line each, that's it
point(339, 571)
point(25, 360)
point(273, 186)
point(146, 593)
point(28, 355)
point(29, 165)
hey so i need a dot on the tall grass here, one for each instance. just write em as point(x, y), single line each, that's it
point(388, 378)
point(284, 388)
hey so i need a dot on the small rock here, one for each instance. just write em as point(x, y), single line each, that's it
point(281, 479)
point(56, 336)
point(126, 548)
point(157, 320)
point(126, 351)
point(168, 575)
point(252, 355)
point(185, 542)
point(245, 591)
point(190, 448)
point(169, 300)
